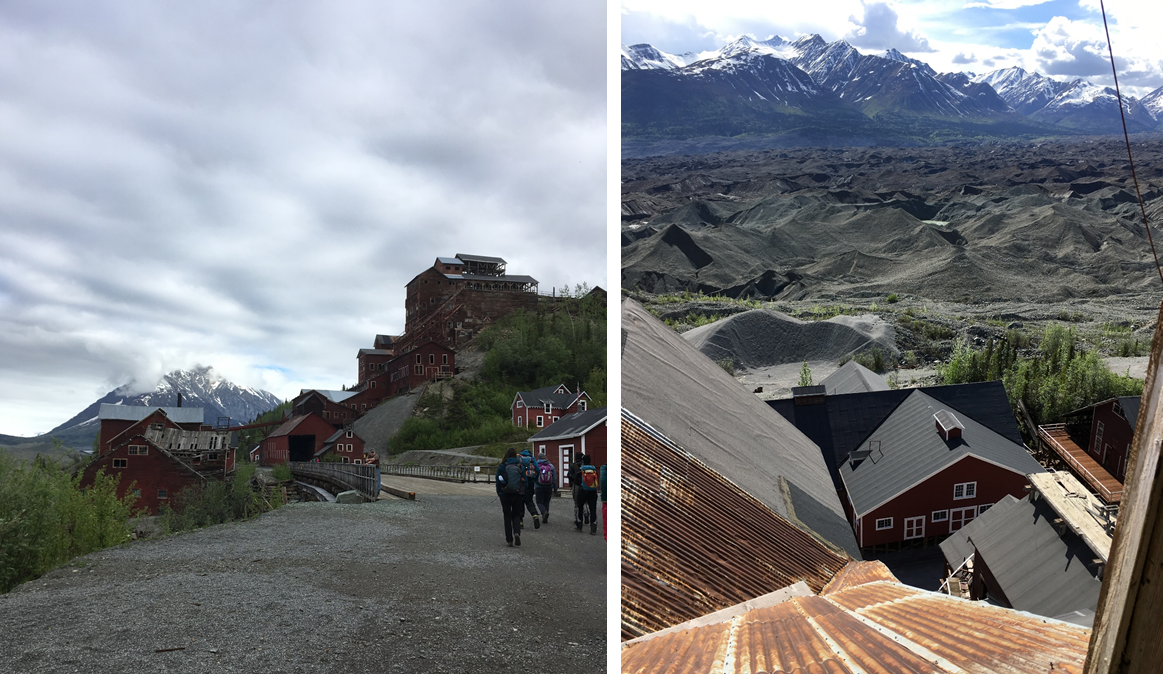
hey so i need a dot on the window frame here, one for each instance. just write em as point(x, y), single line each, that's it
point(965, 490)
point(889, 525)
point(123, 463)
point(946, 513)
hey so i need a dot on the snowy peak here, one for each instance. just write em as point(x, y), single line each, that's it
point(1023, 91)
point(646, 57)
point(1152, 104)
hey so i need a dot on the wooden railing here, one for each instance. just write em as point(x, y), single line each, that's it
point(364, 479)
point(459, 473)
point(1095, 482)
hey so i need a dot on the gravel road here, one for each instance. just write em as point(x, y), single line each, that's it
point(390, 586)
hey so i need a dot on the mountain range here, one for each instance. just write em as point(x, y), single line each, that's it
point(200, 388)
point(819, 92)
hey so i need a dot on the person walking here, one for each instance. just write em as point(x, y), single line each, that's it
point(603, 496)
point(510, 487)
point(530, 473)
point(586, 477)
point(544, 488)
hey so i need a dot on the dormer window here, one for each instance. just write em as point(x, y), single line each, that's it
point(582, 404)
point(547, 408)
point(948, 425)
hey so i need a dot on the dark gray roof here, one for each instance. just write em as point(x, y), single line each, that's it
point(1038, 570)
point(684, 395)
point(958, 546)
point(339, 433)
point(365, 350)
point(481, 259)
point(445, 260)
point(542, 395)
point(177, 414)
point(571, 425)
point(519, 279)
point(845, 420)
point(1130, 406)
point(853, 377)
point(912, 450)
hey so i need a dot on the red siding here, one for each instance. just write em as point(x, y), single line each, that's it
point(937, 493)
point(148, 473)
point(565, 452)
point(530, 415)
point(275, 449)
point(1118, 436)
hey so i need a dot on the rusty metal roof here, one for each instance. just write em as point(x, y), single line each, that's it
point(694, 542)
point(881, 626)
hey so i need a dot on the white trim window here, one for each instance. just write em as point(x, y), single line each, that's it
point(540, 421)
point(915, 527)
point(940, 515)
point(965, 490)
point(984, 508)
point(119, 463)
point(547, 408)
point(582, 404)
point(884, 524)
point(162, 494)
point(555, 419)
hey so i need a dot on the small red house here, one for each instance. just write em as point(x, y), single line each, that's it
point(573, 436)
point(344, 443)
point(1109, 425)
point(156, 456)
point(545, 406)
point(926, 471)
point(298, 439)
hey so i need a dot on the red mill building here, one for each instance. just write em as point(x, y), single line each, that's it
point(458, 297)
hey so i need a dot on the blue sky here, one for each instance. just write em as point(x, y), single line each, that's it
point(1060, 38)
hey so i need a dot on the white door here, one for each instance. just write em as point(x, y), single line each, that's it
point(915, 527)
point(564, 453)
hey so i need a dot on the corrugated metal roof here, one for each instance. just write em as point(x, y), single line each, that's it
point(880, 626)
point(571, 425)
point(177, 414)
point(289, 425)
point(853, 377)
point(334, 395)
point(694, 542)
point(857, 573)
point(912, 450)
point(680, 392)
point(481, 259)
point(1037, 569)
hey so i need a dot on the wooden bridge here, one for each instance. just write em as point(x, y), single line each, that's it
point(339, 477)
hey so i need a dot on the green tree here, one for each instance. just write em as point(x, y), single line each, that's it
point(806, 375)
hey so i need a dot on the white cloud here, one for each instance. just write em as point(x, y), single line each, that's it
point(878, 28)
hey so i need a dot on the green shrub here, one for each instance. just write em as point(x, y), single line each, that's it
point(806, 378)
point(216, 502)
point(874, 359)
point(46, 519)
point(892, 298)
point(281, 472)
point(728, 365)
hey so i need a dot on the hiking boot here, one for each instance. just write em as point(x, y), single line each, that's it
point(509, 543)
point(517, 541)
point(546, 519)
point(593, 527)
point(578, 526)
point(536, 526)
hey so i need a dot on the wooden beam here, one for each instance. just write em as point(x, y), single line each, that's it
point(1126, 635)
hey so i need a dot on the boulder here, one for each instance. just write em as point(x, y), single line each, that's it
point(349, 498)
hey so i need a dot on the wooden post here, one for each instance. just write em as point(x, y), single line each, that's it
point(1126, 635)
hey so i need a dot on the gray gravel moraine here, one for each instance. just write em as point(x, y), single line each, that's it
point(391, 586)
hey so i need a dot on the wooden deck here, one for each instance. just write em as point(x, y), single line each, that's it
point(1082, 465)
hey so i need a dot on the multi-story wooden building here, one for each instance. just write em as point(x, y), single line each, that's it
point(544, 406)
point(156, 452)
point(299, 439)
point(457, 297)
point(1109, 437)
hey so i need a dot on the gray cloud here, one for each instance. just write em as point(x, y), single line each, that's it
point(878, 29)
point(962, 58)
point(251, 185)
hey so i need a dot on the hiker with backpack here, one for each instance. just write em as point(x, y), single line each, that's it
point(544, 488)
point(603, 496)
point(530, 474)
point(586, 477)
point(511, 488)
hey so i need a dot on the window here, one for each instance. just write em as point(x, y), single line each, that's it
point(119, 463)
point(138, 450)
point(445, 359)
point(884, 524)
point(1099, 436)
point(198, 460)
point(418, 369)
point(540, 421)
point(373, 383)
point(546, 408)
point(137, 492)
point(582, 404)
point(346, 459)
point(213, 456)
point(519, 421)
point(348, 434)
point(966, 490)
point(1116, 408)
point(357, 462)
point(418, 359)
point(162, 495)
point(940, 515)
point(349, 447)
point(984, 508)
point(364, 407)
point(432, 359)
point(554, 419)
point(327, 415)
point(915, 527)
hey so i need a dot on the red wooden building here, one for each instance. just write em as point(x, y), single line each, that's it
point(545, 406)
point(333, 406)
point(457, 297)
point(573, 436)
point(926, 471)
point(344, 443)
point(161, 452)
point(1105, 429)
point(298, 439)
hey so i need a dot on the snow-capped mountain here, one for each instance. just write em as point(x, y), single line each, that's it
point(808, 85)
point(1152, 104)
point(200, 388)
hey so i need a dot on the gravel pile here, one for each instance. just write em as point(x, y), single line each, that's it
point(391, 586)
point(761, 338)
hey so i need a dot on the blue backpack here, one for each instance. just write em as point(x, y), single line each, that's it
point(590, 478)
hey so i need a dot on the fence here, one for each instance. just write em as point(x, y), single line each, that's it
point(462, 473)
point(364, 479)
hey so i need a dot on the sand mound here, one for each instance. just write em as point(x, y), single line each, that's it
point(760, 338)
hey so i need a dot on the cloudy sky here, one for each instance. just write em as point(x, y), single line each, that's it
point(1060, 38)
point(250, 184)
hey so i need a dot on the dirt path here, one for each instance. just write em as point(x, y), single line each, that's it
point(390, 586)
